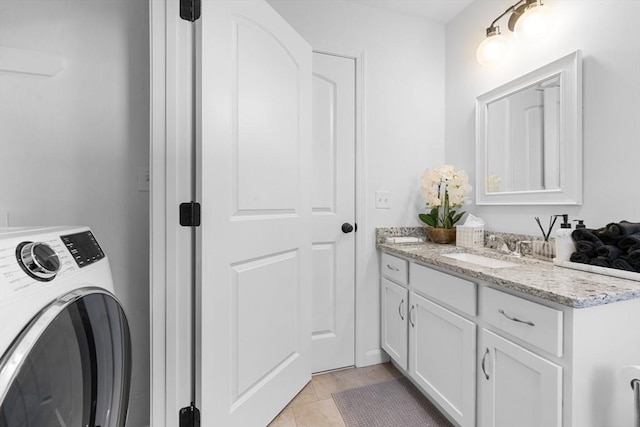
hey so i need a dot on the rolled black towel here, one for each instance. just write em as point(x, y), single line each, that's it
point(600, 261)
point(628, 241)
point(585, 234)
point(609, 251)
point(634, 248)
point(580, 257)
point(605, 237)
point(588, 247)
point(623, 228)
point(634, 257)
point(622, 263)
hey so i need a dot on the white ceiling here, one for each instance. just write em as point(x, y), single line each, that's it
point(435, 10)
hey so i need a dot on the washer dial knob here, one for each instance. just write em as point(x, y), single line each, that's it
point(40, 260)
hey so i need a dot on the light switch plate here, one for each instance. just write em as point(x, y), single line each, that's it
point(383, 200)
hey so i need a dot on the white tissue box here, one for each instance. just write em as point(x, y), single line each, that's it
point(470, 236)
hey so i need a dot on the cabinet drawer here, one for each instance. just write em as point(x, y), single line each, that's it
point(536, 324)
point(451, 290)
point(394, 268)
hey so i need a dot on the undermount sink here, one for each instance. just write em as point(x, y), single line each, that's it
point(481, 260)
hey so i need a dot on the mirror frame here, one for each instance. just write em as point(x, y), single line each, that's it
point(569, 69)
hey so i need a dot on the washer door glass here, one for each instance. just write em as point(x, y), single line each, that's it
point(70, 367)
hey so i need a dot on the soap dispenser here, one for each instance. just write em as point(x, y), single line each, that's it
point(564, 243)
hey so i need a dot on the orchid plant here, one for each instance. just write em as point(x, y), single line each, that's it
point(444, 189)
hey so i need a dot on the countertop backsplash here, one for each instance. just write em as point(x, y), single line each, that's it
point(383, 232)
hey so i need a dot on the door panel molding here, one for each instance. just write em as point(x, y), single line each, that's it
point(260, 56)
point(325, 203)
point(324, 325)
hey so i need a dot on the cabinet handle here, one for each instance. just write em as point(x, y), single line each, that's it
point(515, 319)
point(486, 352)
point(635, 385)
point(413, 325)
point(400, 309)
point(391, 267)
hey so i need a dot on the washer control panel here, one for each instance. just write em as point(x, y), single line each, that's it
point(83, 247)
point(34, 260)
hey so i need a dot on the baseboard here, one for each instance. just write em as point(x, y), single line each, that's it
point(373, 357)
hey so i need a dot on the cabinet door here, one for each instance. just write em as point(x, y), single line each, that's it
point(442, 357)
point(519, 388)
point(394, 321)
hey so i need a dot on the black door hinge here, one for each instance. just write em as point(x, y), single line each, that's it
point(190, 10)
point(189, 416)
point(190, 214)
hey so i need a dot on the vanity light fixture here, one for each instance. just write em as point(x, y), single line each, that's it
point(528, 20)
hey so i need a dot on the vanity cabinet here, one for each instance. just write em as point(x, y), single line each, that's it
point(489, 356)
point(395, 302)
point(518, 387)
point(442, 357)
point(432, 344)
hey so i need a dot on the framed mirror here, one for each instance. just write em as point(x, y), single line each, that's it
point(529, 138)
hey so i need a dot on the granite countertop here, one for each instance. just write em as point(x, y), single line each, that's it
point(541, 279)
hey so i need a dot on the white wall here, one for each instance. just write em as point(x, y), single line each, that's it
point(70, 145)
point(403, 116)
point(608, 34)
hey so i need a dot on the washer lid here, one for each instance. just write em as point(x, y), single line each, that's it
point(70, 366)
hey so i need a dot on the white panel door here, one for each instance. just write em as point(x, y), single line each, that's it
point(333, 204)
point(442, 358)
point(518, 388)
point(254, 244)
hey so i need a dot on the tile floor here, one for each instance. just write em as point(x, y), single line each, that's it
point(314, 405)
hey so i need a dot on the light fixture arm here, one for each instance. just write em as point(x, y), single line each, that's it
point(517, 9)
point(511, 9)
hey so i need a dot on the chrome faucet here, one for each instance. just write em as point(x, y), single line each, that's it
point(503, 247)
point(519, 243)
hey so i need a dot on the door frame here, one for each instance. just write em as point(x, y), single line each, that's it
point(171, 361)
point(362, 358)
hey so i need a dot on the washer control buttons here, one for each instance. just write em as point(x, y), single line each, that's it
point(83, 247)
point(38, 260)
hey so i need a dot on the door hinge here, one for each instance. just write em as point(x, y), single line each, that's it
point(189, 416)
point(190, 214)
point(190, 10)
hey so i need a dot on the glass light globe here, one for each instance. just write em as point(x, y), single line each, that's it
point(492, 49)
point(534, 24)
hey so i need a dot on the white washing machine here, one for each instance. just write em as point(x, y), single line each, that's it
point(64, 339)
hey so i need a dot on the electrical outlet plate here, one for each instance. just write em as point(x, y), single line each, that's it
point(383, 200)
